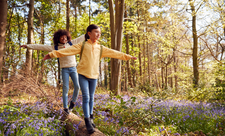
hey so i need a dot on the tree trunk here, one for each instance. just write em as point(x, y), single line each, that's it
point(139, 46)
point(116, 42)
point(144, 55)
point(125, 76)
point(20, 31)
point(100, 75)
point(105, 74)
point(30, 36)
point(175, 70)
point(171, 78)
point(75, 10)
point(3, 22)
point(89, 12)
point(133, 71)
point(149, 61)
point(195, 45)
point(109, 72)
point(127, 52)
point(162, 76)
point(42, 53)
point(68, 15)
point(166, 76)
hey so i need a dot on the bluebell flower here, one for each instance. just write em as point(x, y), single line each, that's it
point(176, 134)
point(13, 126)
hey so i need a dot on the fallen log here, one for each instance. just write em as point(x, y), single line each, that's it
point(74, 123)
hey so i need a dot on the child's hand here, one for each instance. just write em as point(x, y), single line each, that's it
point(133, 58)
point(47, 57)
point(24, 46)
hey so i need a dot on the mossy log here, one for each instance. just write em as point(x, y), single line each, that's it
point(73, 122)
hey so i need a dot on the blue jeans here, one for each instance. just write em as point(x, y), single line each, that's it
point(87, 86)
point(72, 72)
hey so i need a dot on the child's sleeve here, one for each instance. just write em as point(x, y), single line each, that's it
point(40, 47)
point(69, 51)
point(78, 40)
point(115, 54)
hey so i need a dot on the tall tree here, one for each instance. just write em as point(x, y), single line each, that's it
point(116, 24)
point(3, 22)
point(195, 44)
point(30, 36)
point(68, 15)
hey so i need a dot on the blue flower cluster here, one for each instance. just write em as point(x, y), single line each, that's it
point(121, 115)
point(36, 119)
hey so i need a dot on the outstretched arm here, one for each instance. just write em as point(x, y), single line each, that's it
point(38, 47)
point(78, 40)
point(72, 50)
point(107, 52)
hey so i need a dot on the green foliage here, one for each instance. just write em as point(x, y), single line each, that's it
point(220, 83)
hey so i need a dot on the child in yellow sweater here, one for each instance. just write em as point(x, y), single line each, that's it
point(88, 68)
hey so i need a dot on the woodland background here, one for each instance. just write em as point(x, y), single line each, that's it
point(179, 44)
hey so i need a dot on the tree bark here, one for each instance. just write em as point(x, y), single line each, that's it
point(195, 45)
point(116, 42)
point(105, 75)
point(30, 36)
point(128, 62)
point(139, 46)
point(133, 71)
point(149, 62)
point(127, 52)
point(42, 53)
point(3, 22)
point(175, 70)
point(100, 74)
point(68, 15)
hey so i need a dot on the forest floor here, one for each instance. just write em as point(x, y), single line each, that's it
point(154, 117)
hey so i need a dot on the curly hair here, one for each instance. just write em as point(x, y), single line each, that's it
point(60, 33)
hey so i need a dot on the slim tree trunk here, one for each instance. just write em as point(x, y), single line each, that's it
point(75, 10)
point(42, 53)
point(171, 78)
point(116, 42)
point(149, 61)
point(6, 58)
point(3, 22)
point(166, 77)
point(127, 52)
point(162, 75)
point(100, 74)
point(126, 84)
point(105, 74)
point(20, 30)
point(68, 15)
point(139, 46)
point(133, 71)
point(175, 70)
point(89, 12)
point(195, 44)
point(30, 36)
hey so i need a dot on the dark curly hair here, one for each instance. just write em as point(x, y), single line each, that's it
point(60, 33)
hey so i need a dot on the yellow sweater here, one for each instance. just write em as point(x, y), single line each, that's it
point(89, 64)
